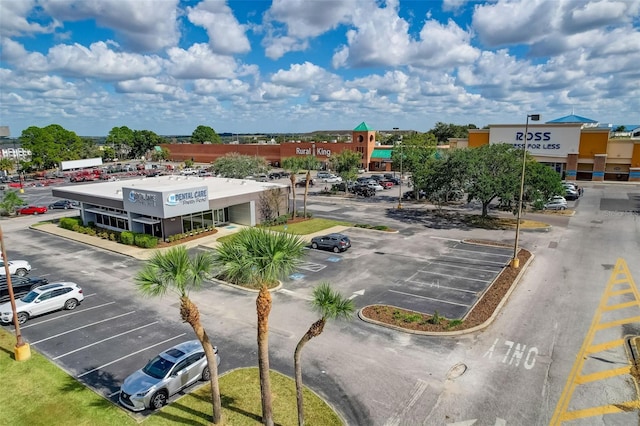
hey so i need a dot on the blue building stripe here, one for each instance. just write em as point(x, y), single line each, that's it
point(571, 172)
point(635, 175)
point(598, 174)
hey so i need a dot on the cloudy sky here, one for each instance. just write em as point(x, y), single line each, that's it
point(303, 65)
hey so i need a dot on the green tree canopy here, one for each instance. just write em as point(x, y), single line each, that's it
point(50, 145)
point(121, 140)
point(204, 134)
point(414, 152)
point(143, 142)
point(444, 131)
point(238, 166)
point(346, 164)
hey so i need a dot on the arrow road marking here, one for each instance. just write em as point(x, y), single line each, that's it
point(356, 294)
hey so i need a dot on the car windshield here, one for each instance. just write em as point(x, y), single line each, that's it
point(158, 367)
point(30, 297)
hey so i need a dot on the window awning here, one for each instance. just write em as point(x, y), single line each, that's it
point(381, 154)
point(147, 220)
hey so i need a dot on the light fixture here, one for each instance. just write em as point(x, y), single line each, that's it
point(515, 262)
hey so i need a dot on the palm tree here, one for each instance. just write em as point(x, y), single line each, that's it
point(308, 163)
point(174, 271)
point(292, 164)
point(257, 257)
point(329, 304)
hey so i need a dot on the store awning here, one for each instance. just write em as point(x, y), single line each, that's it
point(381, 154)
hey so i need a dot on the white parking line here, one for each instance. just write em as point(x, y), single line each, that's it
point(66, 315)
point(80, 328)
point(131, 354)
point(439, 286)
point(444, 238)
point(463, 258)
point(483, 252)
point(454, 276)
point(429, 298)
point(104, 340)
point(113, 394)
point(464, 267)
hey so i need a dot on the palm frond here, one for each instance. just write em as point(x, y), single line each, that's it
point(331, 304)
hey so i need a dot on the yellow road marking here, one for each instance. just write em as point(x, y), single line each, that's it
point(617, 322)
point(604, 346)
point(575, 378)
point(602, 375)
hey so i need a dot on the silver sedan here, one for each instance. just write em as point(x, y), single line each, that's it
point(166, 374)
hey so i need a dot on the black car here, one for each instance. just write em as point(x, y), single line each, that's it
point(20, 285)
point(363, 191)
point(410, 195)
point(335, 242)
point(62, 204)
point(302, 183)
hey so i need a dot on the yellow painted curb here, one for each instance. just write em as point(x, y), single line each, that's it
point(22, 353)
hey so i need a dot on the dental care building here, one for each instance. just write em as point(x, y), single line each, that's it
point(574, 146)
point(167, 205)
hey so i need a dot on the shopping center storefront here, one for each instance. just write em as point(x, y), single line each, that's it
point(167, 205)
point(575, 151)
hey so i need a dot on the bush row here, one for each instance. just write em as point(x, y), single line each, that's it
point(126, 237)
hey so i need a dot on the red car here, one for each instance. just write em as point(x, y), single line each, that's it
point(386, 184)
point(32, 210)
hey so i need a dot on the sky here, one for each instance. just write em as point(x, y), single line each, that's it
point(296, 66)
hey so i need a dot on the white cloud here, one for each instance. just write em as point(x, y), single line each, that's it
point(144, 25)
point(226, 34)
point(302, 75)
point(14, 19)
point(221, 89)
point(199, 62)
point(152, 86)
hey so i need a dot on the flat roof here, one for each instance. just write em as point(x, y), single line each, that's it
point(216, 187)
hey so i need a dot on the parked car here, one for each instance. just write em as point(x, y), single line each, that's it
point(331, 179)
point(363, 179)
point(34, 210)
point(188, 172)
point(20, 285)
point(42, 300)
point(377, 178)
point(571, 194)
point(63, 204)
point(362, 190)
point(302, 183)
point(361, 171)
point(322, 175)
point(16, 267)
point(558, 198)
point(410, 195)
point(555, 205)
point(164, 375)
point(386, 184)
point(335, 242)
point(375, 186)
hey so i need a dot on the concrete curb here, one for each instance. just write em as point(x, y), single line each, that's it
point(249, 290)
point(478, 327)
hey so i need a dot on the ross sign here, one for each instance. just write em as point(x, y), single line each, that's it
point(541, 141)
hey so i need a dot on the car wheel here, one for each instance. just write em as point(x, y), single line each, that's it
point(336, 249)
point(22, 317)
point(562, 208)
point(314, 245)
point(70, 304)
point(35, 213)
point(21, 272)
point(158, 400)
point(206, 374)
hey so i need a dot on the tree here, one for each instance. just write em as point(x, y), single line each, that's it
point(293, 166)
point(121, 140)
point(443, 131)
point(238, 166)
point(541, 181)
point(416, 150)
point(346, 165)
point(174, 271)
point(308, 163)
point(259, 257)
point(108, 153)
point(487, 172)
point(204, 134)
point(7, 164)
point(10, 201)
point(51, 145)
point(143, 142)
point(161, 154)
point(329, 304)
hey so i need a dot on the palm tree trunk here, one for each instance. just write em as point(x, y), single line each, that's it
point(293, 193)
point(315, 330)
point(306, 192)
point(263, 308)
point(190, 314)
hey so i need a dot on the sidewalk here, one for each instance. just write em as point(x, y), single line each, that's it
point(209, 241)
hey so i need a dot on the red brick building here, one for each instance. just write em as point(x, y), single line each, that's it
point(363, 141)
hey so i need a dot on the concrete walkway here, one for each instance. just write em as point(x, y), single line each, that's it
point(209, 241)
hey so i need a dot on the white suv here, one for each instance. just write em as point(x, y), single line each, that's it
point(42, 300)
point(16, 267)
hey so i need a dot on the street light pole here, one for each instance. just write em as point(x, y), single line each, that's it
point(515, 262)
point(399, 186)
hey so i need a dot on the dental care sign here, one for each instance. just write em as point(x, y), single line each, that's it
point(549, 141)
point(166, 203)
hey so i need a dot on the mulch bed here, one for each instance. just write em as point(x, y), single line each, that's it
point(162, 244)
point(480, 313)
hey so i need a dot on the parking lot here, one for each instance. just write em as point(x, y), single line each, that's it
point(429, 275)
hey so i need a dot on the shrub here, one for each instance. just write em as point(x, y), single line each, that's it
point(112, 237)
point(454, 323)
point(126, 237)
point(145, 240)
point(435, 318)
point(90, 231)
point(381, 227)
point(68, 222)
point(283, 219)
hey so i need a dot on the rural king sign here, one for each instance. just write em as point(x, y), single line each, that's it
point(540, 140)
point(318, 152)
